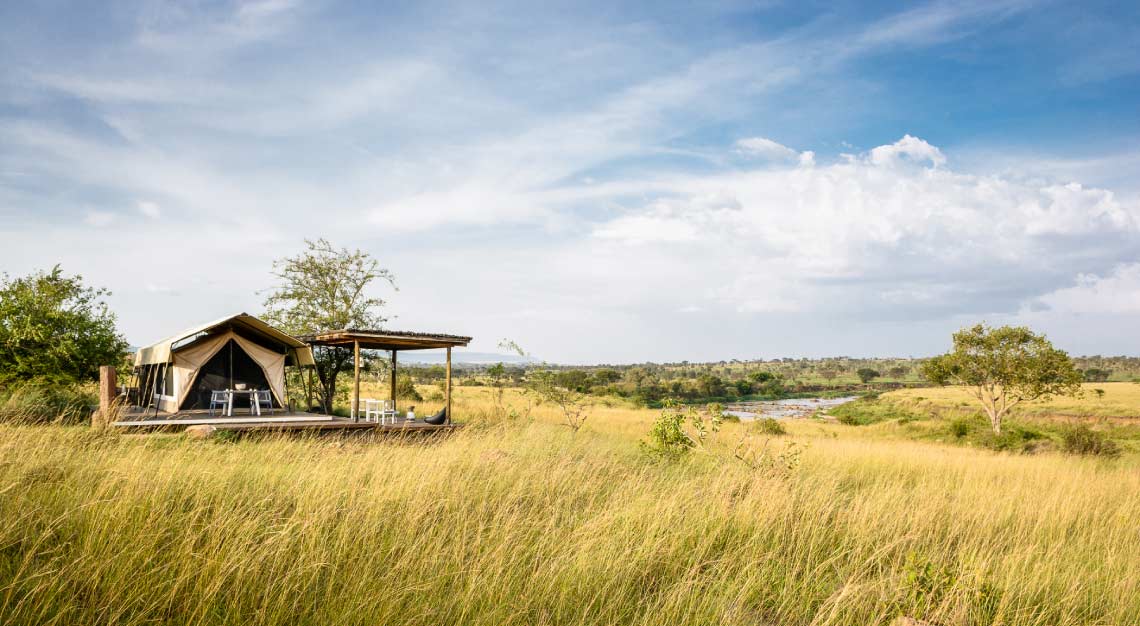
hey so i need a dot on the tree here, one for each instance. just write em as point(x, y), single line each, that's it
point(54, 328)
point(544, 385)
point(1097, 375)
point(1003, 367)
point(324, 289)
point(710, 386)
point(867, 374)
point(828, 374)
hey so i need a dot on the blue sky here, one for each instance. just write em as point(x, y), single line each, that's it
point(598, 183)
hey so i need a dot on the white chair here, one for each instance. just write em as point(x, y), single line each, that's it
point(379, 410)
point(261, 398)
point(388, 411)
point(219, 399)
point(371, 409)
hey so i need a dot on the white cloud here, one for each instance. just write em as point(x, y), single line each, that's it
point(866, 236)
point(764, 148)
point(1117, 292)
point(150, 209)
point(907, 148)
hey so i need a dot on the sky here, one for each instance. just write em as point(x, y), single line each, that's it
point(598, 182)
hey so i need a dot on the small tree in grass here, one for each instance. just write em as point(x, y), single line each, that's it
point(544, 385)
point(1003, 367)
point(867, 374)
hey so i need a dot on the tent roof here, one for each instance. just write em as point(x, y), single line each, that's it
point(386, 339)
point(161, 351)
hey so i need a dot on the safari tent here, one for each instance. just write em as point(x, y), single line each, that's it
point(179, 372)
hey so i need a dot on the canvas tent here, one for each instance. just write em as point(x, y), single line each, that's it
point(180, 371)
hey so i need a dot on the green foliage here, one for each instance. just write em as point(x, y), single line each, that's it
point(959, 427)
point(872, 410)
point(1080, 439)
point(53, 328)
point(769, 426)
point(323, 289)
point(406, 388)
point(761, 376)
point(1096, 375)
point(669, 436)
point(866, 374)
point(1015, 438)
point(41, 402)
point(925, 582)
point(1004, 367)
point(544, 385)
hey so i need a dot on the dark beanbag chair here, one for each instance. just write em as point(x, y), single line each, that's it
point(438, 418)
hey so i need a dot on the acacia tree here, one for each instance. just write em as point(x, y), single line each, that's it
point(323, 289)
point(1003, 367)
point(52, 327)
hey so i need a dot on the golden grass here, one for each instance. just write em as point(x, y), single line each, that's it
point(1120, 400)
point(523, 522)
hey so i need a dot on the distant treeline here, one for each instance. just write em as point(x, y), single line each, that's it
point(737, 380)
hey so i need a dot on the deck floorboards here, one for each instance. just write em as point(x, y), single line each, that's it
point(139, 420)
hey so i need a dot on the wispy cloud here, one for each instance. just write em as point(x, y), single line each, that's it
point(590, 167)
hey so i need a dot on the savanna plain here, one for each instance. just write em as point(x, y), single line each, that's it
point(516, 519)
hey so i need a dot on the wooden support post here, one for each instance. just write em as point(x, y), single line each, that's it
point(392, 380)
point(310, 390)
point(448, 392)
point(108, 391)
point(356, 382)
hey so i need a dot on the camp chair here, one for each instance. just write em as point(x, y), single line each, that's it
point(438, 418)
point(218, 399)
point(261, 398)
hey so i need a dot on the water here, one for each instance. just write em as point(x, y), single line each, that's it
point(784, 409)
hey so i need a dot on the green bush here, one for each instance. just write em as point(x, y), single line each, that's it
point(39, 402)
point(871, 409)
point(1080, 439)
point(1014, 438)
point(960, 427)
point(770, 426)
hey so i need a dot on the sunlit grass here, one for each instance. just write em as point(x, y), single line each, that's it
point(1118, 400)
point(523, 522)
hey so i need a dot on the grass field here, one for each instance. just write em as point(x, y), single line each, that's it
point(523, 522)
point(1119, 400)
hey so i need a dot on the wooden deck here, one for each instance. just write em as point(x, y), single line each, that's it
point(138, 420)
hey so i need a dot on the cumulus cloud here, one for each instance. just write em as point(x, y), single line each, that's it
point(1117, 292)
point(907, 149)
point(865, 235)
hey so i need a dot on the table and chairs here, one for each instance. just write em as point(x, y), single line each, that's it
point(259, 399)
point(379, 411)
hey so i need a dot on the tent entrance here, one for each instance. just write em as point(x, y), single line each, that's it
point(229, 366)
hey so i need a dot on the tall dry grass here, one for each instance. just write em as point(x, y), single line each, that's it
point(523, 522)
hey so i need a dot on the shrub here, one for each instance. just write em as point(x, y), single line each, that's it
point(1080, 439)
point(1014, 438)
point(770, 426)
point(960, 427)
point(37, 402)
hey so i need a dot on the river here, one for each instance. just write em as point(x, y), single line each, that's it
point(784, 409)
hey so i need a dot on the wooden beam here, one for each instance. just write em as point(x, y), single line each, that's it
point(107, 394)
point(448, 385)
point(392, 381)
point(356, 382)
